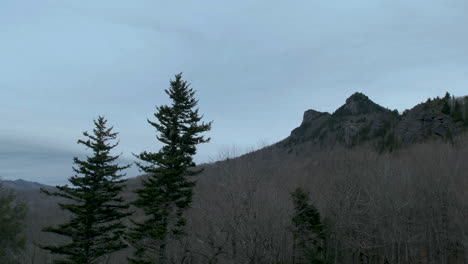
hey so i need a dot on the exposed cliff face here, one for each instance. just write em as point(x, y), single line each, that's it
point(420, 124)
point(360, 120)
point(313, 121)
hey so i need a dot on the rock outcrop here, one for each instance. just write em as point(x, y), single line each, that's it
point(360, 121)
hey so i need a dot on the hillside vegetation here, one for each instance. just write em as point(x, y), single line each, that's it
point(389, 187)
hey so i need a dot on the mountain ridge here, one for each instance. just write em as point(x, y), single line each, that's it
point(21, 184)
point(361, 121)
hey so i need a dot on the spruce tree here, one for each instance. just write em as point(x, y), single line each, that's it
point(167, 191)
point(307, 229)
point(12, 216)
point(97, 210)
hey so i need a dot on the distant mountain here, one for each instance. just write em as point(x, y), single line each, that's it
point(23, 185)
point(361, 121)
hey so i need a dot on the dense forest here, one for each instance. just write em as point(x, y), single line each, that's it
point(363, 185)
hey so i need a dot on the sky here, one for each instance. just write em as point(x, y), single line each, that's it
point(256, 66)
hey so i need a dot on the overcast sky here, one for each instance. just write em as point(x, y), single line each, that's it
point(257, 66)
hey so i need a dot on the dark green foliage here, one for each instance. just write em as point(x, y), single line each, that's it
point(446, 104)
point(95, 227)
point(447, 96)
point(457, 113)
point(167, 192)
point(455, 108)
point(445, 108)
point(308, 231)
point(465, 110)
point(12, 216)
point(449, 105)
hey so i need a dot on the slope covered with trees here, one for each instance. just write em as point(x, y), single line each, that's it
point(356, 204)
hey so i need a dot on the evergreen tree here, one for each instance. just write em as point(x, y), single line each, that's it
point(12, 216)
point(97, 209)
point(446, 104)
point(167, 191)
point(447, 96)
point(308, 230)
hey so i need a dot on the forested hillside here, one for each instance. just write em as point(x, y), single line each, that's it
point(388, 187)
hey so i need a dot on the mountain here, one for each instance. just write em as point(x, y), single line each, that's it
point(373, 202)
point(23, 185)
point(361, 121)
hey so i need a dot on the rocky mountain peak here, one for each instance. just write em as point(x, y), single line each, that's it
point(311, 115)
point(356, 97)
point(360, 120)
point(357, 104)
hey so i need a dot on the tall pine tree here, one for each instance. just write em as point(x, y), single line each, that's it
point(167, 191)
point(96, 207)
point(307, 229)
